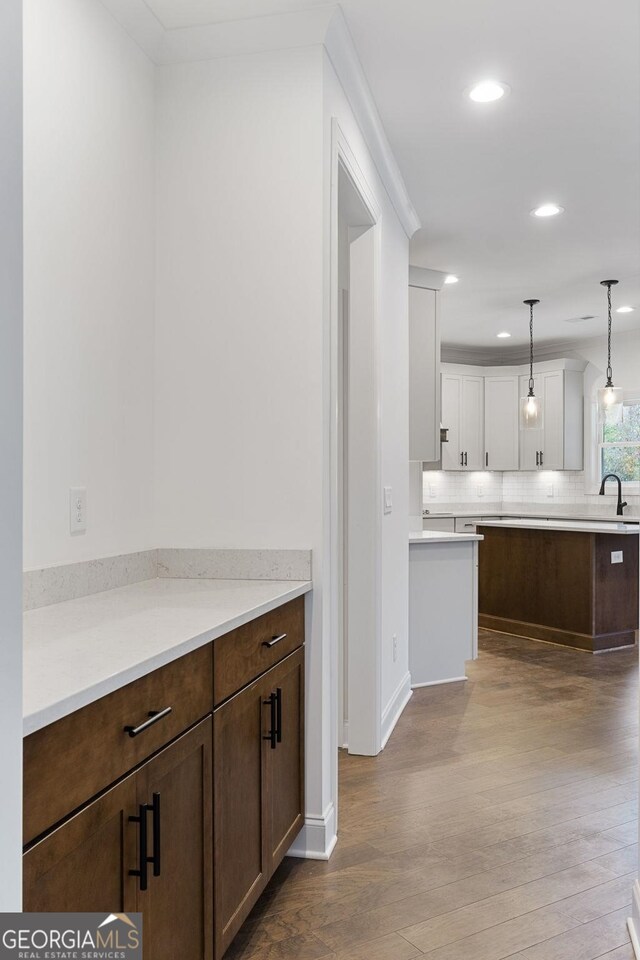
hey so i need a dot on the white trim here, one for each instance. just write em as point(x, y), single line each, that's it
point(343, 55)
point(436, 683)
point(318, 836)
point(633, 923)
point(393, 710)
point(426, 279)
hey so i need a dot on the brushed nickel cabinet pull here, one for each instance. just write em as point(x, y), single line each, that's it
point(274, 640)
point(154, 716)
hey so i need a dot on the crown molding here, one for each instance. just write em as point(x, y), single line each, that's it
point(505, 356)
point(346, 63)
point(426, 278)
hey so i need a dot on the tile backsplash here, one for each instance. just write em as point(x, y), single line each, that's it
point(544, 486)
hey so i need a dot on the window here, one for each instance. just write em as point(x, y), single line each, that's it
point(619, 447)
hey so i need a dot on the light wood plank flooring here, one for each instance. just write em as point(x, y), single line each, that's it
point(500, 821)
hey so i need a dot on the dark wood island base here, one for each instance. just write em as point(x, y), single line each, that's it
point(559, 586)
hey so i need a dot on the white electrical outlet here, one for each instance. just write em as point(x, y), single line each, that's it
point(432, 490)
point(395, 647)
point(480, 491)
point(388, 500)
point(77, 509)
point(617, 556)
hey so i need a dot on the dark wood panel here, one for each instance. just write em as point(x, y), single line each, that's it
point(616, 584)
point(285, 764)
point(68, 762)
point(178, 905)
point(240, 846)
point(537, 576)
point(241, 656)
point(83, 866)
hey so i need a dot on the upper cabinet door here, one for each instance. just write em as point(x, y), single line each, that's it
point(501, 411)
point(472, 422)
point(424, 375)
point(553, 420)
point(451, 409)
point(531, 441)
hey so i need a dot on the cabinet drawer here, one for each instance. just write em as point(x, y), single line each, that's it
point(242, 655)
point(72, 760)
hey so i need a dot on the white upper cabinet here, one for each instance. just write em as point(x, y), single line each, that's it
point(481, 410)
point(501, 404)
point(558, 445)
point(463, 417)
point(424, 375)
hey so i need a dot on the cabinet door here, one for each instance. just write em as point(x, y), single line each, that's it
point(177, 906)
point(501, 413)
point(531, 441)
point(83, 866)
point(239, 779)
point(424, 375)
point(285, 761)
point(553, 416)
point(472, 422)
point(451, 399)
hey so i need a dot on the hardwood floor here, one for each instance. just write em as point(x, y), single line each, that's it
point(500, 821)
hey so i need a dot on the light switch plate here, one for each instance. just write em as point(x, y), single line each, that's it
point(77, 510)
point(617, 556)
point(388, 500)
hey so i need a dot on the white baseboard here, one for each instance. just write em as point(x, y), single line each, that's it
point(633, 923)
point(394, 708)
point(317, 838)
point(436, 683)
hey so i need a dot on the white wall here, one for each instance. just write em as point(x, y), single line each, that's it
point(11, 462)
point(393, 413)
point(89, 282)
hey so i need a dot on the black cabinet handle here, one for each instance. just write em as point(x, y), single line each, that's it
point(154, 716)
point(541, 458)
point(537, 458)
point(486, 459)
point(279, 715)
point(143, 871)
point(465, 460)
point(155, 859)
point(462, 459)
point(272, 736)
point(274, 640)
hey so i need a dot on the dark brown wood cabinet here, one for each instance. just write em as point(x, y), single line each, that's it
point(258, 789)
point(86, 864)
point(177, 795)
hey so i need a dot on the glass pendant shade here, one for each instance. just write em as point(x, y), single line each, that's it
point(531, 406)
point(610, 397)
point(610, 404)
point(530, 413)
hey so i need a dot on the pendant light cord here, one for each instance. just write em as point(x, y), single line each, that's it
point(531, 384)
point(609, 370)
point(608, 284)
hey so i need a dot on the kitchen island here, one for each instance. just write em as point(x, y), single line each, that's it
point(571, 582)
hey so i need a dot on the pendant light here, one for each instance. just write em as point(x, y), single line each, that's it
point(531, 406)
point(610, 398)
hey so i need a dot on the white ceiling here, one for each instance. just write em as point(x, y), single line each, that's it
point(569, 132)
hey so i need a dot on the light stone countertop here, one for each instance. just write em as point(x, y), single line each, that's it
point(80, 650)
point(574, 526)
point(439, 536)
point(567, 511)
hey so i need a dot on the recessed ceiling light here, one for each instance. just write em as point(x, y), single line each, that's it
point(547, 210)
point(624, 310)
point(503, 335)
point(488, 90)
point(451, 278)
